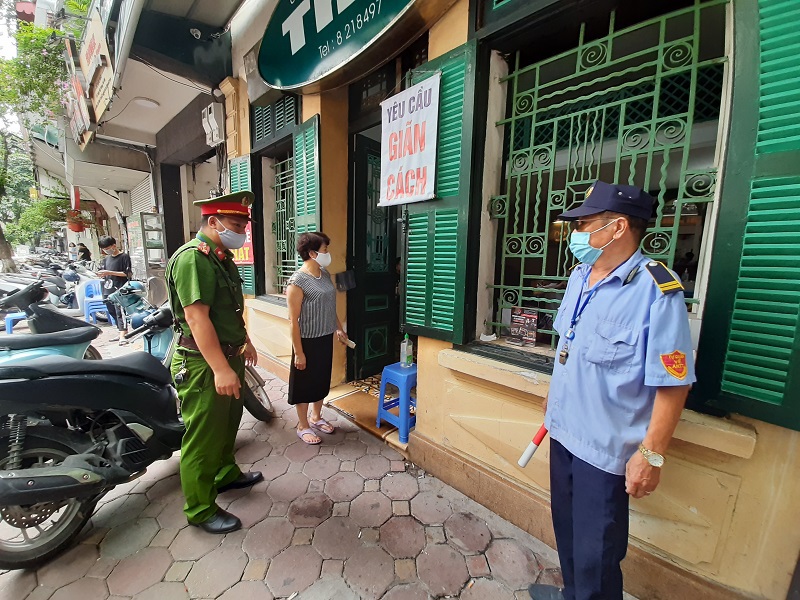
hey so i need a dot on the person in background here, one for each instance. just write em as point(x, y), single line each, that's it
point(205, 293)
point(72, 252)
point(115, 270)
point(623, 368)
point(311, 297)
point(83, 252)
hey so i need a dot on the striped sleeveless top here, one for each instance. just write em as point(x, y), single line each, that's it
point(318, 312)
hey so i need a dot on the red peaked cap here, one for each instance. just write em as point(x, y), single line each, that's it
point(234, 205)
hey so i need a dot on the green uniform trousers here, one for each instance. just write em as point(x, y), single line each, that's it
point(207, 449)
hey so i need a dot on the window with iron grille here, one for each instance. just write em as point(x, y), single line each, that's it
point(638, 106)
point(283, 225)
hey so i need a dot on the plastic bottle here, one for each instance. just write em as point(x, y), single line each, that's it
point(406, 352)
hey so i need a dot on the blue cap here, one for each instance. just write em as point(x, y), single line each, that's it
point(623, 199)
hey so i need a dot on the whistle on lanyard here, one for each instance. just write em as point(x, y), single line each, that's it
point(535, 443)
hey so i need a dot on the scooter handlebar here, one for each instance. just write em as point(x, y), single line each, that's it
point(136, 331)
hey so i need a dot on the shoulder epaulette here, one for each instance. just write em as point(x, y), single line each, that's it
point(664, 278)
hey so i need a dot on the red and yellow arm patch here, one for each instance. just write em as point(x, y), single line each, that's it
point(204, 248)
point(675, 364)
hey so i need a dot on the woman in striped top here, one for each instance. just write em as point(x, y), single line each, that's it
point(312, 315)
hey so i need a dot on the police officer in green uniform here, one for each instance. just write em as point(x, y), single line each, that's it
point(205, 293)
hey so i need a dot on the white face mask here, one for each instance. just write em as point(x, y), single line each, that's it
point(230, 239)
point(323, 259)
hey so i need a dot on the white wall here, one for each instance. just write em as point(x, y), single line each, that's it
point(247, 28)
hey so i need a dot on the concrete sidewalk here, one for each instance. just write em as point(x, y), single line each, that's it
point(347, 519)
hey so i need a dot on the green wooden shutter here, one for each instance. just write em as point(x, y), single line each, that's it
point(239, 174)
point(306, 176)
point(757, 295)
point(436, 248)
point(239, 179)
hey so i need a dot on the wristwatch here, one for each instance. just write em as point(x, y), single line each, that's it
point(654, 458)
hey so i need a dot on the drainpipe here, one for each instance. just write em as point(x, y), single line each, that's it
point(128, 34)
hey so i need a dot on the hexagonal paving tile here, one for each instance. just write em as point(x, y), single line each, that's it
point(17, 584)
point(322, 467)
point(403, 537)
point(272, 467)
point(280, 438)
point(414, 591)
point(216, 572)
point(138, 572)
point(268, 538)
point(251, 509)
point(512, 563)
point(301, 452)
point(373, 466)
point(253, 452)
point(401, 486)
point(338, 537)
point(487, 588)
point(129, 539)
point(172, 590)
point(330, 589)
point(344, 487)
point(173, 517)
point(371, 509)
point(369, 571)
point(430, 508)
point(69, 567)
point(442, 570)
point(249, 590)
point(468, 533)
point(310, 510)
point(192, 543)
point(288, 487)
point(293, 570)
point(120, 511)
point(165, 490)
point(350, 450)
point(83, 589)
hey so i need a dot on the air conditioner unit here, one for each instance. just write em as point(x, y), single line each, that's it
point(214, 124)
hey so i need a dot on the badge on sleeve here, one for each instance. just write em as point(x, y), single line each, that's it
point(204, 248)
point(675, 364)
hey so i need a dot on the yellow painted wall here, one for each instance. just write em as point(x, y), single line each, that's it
point(450, 31)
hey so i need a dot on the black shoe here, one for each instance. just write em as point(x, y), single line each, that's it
point(221, 522)
point(540, 591)
point(243, 481)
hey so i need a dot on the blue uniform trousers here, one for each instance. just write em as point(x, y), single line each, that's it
point(590, 518)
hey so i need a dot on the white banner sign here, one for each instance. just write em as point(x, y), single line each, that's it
point(409, 130)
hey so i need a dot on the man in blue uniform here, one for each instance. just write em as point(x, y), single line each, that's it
point(623, 368)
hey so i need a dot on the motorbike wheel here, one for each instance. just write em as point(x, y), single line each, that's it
point(255, 398)
point(92, 353)
point(32, 535)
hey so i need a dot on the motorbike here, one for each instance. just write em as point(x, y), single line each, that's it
point(156, 325)
point(71, 431)
point(44, 321)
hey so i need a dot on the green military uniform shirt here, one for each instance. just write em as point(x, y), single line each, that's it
point(197, 272)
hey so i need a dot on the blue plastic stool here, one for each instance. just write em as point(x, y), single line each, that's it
point(12, 319)
point(92, 307)
point(404, 378)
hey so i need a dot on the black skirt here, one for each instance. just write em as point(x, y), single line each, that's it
point(314, 382)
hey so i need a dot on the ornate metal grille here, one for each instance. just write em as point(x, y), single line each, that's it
point(638, 106)
point(377, 220)
point(286, 259)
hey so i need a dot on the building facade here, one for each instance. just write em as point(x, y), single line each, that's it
point(696, 101)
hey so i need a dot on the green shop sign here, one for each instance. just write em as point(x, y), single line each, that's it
point(315, 45)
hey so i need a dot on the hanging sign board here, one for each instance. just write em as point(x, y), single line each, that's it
point(409, 132)
point(317, 45)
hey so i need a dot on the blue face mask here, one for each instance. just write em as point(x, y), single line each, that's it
point(579, 245)
point(230, 239)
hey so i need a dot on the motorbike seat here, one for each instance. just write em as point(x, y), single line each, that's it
point(25, 341)
point(139, 364)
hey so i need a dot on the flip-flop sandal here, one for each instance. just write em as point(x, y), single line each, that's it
point(302, 432)
point(320, 426)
